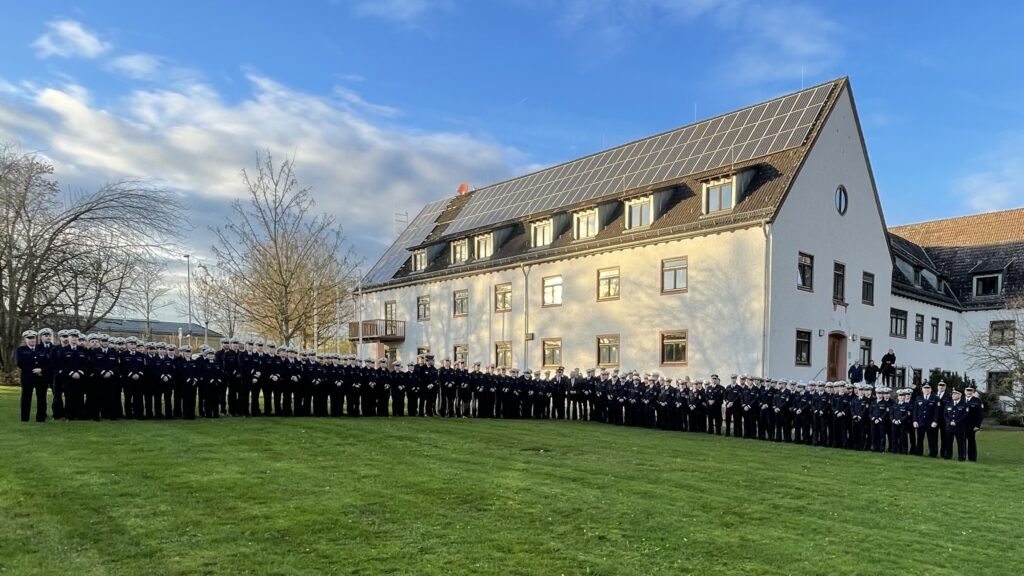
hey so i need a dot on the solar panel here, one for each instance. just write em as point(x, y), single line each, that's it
point(758, 130)
point(414, 234)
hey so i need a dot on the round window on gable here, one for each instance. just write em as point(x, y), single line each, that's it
point(842, 200)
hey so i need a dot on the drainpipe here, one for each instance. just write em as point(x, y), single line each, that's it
point(766, 227)
point(526, 315)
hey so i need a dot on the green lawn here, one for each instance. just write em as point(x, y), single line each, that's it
point(433, 496)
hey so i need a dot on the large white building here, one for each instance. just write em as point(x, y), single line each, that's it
point(750, 242)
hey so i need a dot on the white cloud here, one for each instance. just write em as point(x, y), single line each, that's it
point(69, 39)
point(190, 139)
point(139, 66)
point(997, 181)
point(406, 12)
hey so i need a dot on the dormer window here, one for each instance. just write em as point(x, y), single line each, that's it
point(585, 224)
point(419, 261)
point(460, 251)
point(541, 233)
point(988, 285)
point(719, 195)
point(639, 212)
point(483, 246)
point(917, 276)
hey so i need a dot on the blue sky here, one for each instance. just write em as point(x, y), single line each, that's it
point(390, 104)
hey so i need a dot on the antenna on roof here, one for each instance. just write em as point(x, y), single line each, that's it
point(401, 222)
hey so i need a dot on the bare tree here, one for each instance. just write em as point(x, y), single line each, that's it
point(148, 292)
point(288, 262)
point(65, 257)
point(999, 347)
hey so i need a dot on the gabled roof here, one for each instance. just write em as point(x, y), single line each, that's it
point(960, 248)
point(157, 327)
point(679, 162)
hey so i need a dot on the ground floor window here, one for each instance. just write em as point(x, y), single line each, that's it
point(803, 347)
point(673, 347)
point(608, 350)
point(503, 355)
point(865, 351)
point(460, 353)
point(553, 352)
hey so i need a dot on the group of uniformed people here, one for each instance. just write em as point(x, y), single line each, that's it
point(100, 377)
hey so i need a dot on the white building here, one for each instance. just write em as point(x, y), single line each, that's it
point(750, 242)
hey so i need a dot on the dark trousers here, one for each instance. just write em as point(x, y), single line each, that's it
point(57, 404)
point(188, 402)
point(352, 403)
point(27, 390)
point(951, 434)
point(879, 435)
point(254, 396)
point(337, 401)
point(397, 404)
point(932, 434)
point(750, 423)
point(733, 422)
point(268, 394)
point(971, 439)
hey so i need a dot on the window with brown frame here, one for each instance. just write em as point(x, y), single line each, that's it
point(608, 350)
point(608, 284)
point(552, 352)
point(552, 291)
point(503, 297)
point(803, 347)
point(423, 308)
point(460, 303)
point(674, 275)
point(673, 348)
point(805, 272)
point(503, 354)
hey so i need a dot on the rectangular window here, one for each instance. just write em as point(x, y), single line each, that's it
point(718, 196)
point(935, 330)
point(673, 275)
point(552, 286)
point(460, 251)
point(673, 348)
point(989, 285)
point(608, 284)
point(917, 276)
point(608, 350)
point(639, 212)
point(553, 352)
point(422, 350)
point(585, 224)
point(540, 233)
point(419, 260)
point(503, 355)
point(865, 351)
point(949, 333)
point(897, 323)
point(460, 303)
point(1002, 332)
point(917, 376)
point(483, 246)
point(803, 347)
point(919, 327)
point(502, 297)
point(867, 289)
point(460, 353)
point(838, 282)
point(901, 376)
point(805, 272)
point(423, 308)
point(390, 318)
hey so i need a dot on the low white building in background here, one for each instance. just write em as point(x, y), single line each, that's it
point(751, 242)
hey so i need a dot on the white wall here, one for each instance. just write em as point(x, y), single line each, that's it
point(722, 309)
point(924, 354)
point(810, 223)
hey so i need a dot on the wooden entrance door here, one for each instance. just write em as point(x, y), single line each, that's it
point(836, 356)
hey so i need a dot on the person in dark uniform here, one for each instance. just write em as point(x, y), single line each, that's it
point(36, 369)
point(977, 415)
point(104, 364)
point(880, 418)
point(942, 397)
point(888, 368)
point(430, 390)
point(189, 381)
point(926, 424)
point(213, 378)
point(956, 418)
point(72, 368)
point(733, 408)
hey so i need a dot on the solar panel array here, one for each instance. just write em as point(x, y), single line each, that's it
point(755, 131)
point(414, 234)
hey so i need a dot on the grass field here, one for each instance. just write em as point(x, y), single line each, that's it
point(432, 496)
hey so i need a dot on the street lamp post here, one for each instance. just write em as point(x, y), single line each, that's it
point(188, 264)
point(206, 303)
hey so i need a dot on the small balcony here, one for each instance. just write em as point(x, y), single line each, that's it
point(378, 330)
